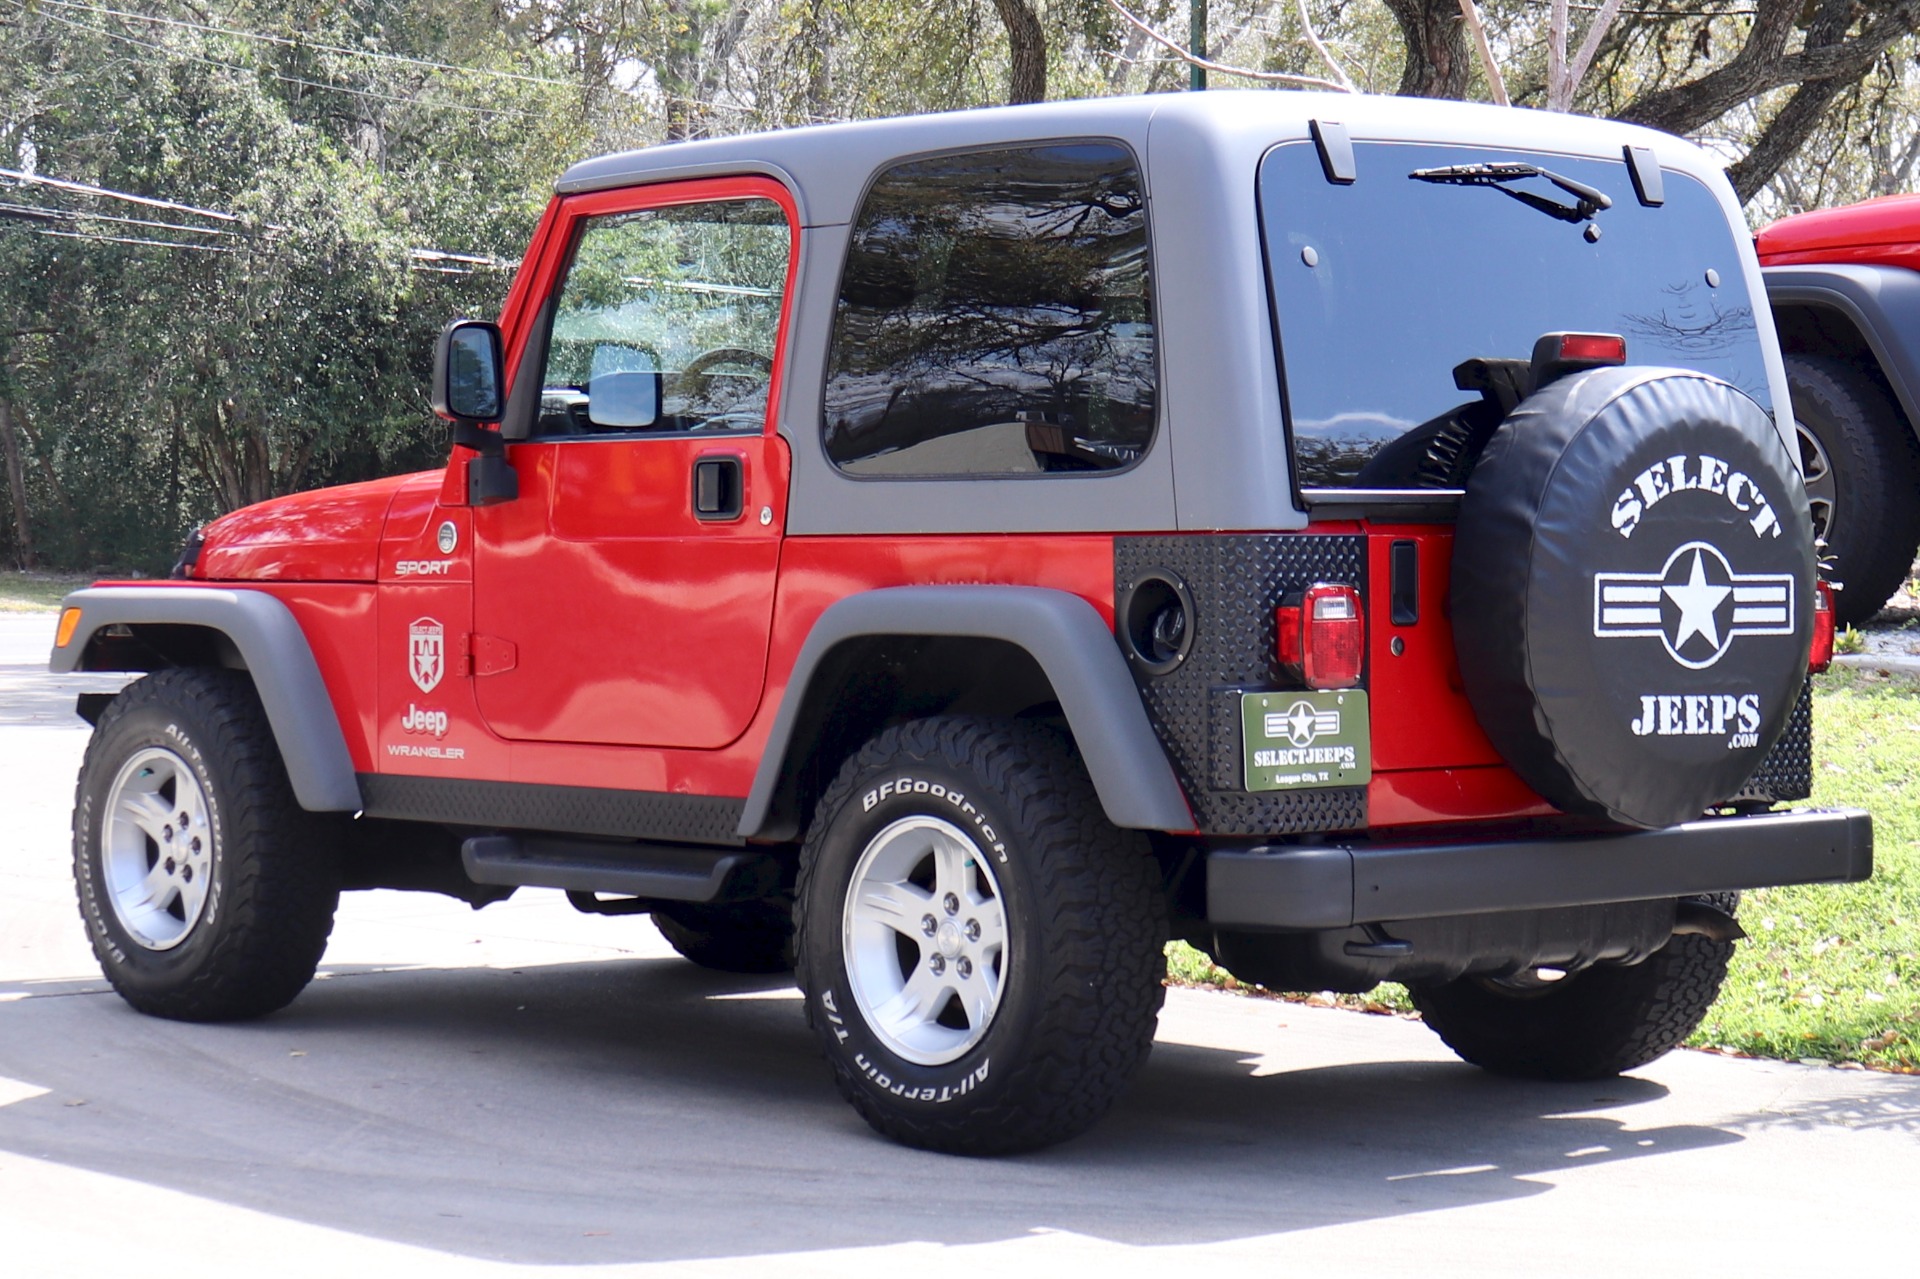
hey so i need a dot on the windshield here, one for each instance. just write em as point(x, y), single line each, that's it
point(1381, 289)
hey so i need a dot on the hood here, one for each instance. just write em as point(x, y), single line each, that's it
point(1890, 219)
point(329, 535)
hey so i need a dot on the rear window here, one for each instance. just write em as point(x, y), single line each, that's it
point(1383, 287)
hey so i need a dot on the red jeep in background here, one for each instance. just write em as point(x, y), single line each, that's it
point(954, 555)
point(1844, 285)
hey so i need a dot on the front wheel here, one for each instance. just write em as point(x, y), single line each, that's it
point(207, 892)
point(1863, 479)
point(981, 951)
point(1587, 1025)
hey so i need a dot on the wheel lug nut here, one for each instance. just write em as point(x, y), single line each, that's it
point(963, 966)
point(196, 844)
point(185, 821)
point(171, 865)
point(927, 925)
point(938, 964)
point(166, 834)
point(973, 930)
point(951, 903)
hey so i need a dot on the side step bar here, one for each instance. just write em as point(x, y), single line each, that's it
point(660, 872)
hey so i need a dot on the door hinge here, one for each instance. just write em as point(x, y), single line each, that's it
point(491, 656)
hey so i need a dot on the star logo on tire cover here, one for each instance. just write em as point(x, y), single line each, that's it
point(1696, 604)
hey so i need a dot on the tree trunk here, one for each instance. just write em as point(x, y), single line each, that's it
point(1438, 62)
point(1764, 64)
point(1027, 43)
point(1783, 137)
point(18, 417)
point(17, 486)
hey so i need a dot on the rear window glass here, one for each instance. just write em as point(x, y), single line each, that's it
point(994, 318)
point(1381, 288)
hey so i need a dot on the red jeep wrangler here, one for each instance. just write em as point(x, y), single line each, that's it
point(953, 555)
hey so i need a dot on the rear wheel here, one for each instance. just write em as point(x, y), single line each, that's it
point(1863, 479)
point(981, 951)
point(1586, 1025)
point(208, 893)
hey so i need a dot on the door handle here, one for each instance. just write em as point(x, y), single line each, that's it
point(719, 488)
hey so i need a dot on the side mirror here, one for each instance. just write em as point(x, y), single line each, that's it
point(467, 372)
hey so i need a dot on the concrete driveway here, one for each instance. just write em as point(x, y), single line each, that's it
point(526, 1090)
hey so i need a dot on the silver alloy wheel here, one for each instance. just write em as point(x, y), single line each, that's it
point(924, 933)
point(1816, 468)
point(156, 848)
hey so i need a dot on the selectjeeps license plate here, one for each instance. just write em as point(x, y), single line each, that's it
point(1294, 741)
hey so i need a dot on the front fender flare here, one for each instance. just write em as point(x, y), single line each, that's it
point(275, 651)
point(1064, 635)
point(1881, 302)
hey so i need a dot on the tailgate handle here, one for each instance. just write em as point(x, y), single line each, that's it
point(719, 488)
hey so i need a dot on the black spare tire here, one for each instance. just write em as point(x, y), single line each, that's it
point(1632, 592)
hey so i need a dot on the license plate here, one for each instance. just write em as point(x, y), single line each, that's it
point(1296, 741)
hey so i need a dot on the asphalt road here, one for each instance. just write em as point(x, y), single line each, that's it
point(525, 1090)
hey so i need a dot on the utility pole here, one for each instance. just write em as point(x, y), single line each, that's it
point(1197, 43)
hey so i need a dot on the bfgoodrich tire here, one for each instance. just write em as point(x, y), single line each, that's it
point(207, 892)
point(1588, 1025)
point(981, 951)
point(1863, 479)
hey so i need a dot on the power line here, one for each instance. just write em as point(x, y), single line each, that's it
point(329, 86)
point(70, 215)
point(116, 239)
point(82, 188)
point(293, 43)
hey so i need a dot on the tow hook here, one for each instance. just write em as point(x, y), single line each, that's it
point(1693, 918)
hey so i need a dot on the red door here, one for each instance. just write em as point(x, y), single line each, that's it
point(626, 595)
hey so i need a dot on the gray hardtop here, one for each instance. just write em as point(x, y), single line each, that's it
point(1200, 153)
point(827, 166)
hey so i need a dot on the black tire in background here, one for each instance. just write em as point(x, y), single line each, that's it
point(744, 937)
point(1079, 906)
point(1588, 1025)
point(1632, 592)
point(1863, 479)
point(265, 873)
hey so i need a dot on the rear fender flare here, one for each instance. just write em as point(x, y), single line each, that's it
point(1073, 647)
point(273, 648)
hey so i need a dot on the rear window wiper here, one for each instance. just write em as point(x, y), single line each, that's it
point(1591, 200)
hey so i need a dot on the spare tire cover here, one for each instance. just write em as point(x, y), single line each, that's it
point(1632, 592)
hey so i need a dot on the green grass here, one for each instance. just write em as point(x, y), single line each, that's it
point(1834, 973)
point(36, 592)
point(1828, 973)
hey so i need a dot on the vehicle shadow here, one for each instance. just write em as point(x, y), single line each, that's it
point(647, 1110)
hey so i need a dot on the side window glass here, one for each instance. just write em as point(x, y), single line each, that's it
point(994, 318)
point(666, 322)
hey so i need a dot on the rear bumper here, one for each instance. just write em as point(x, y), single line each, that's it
point(1340, 885)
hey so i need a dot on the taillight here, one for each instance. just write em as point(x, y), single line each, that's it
point(1599, 348)
point(1822, 655)
point(1557, 354)
point(1323, 636)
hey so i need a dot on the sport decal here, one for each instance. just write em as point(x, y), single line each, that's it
point(426, 653)
point(1696, 604)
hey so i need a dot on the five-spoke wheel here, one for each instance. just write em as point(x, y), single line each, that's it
point(157, 848)
point(925, 938)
